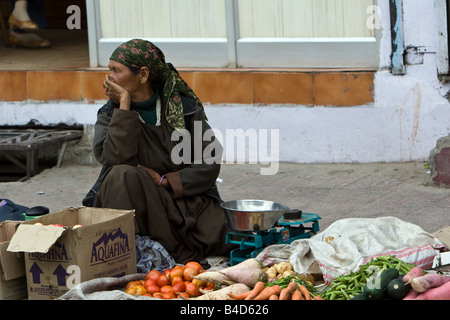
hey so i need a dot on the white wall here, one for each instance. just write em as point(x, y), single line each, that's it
point(409, 114)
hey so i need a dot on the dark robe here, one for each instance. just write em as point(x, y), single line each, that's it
point(186, 218)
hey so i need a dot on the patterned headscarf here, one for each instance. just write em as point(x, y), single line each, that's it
point(139, 53)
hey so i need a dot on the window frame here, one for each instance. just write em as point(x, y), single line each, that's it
point(236, 52)
point(442, 12)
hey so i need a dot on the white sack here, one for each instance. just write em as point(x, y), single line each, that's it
point(356, 241)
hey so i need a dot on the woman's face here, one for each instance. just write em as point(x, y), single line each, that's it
point(123, 76)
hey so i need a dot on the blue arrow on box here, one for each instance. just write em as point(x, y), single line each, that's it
point(60, 274)
point(36, 272)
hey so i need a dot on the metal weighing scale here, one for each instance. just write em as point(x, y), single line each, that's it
point(251, 243)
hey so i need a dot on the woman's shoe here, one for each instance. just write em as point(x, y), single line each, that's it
point(25, 25)
point(27, 40)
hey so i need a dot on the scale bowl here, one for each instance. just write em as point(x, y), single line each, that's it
point(252, 215)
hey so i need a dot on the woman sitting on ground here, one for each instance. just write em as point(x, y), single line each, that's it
point(176, 204)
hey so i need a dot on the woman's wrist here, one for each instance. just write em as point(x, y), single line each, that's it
point(125, 102)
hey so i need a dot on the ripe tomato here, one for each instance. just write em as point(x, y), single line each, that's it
point(183, 295)
point(179, 287)
point(194, 264)
point(149, 282)
point(209, 286)
point(153, 288)
point(189, 273)
point(165, 289)
point(131, 290)
point(176, 271)
point(158, 295)
point(169, 295)
point(132, 284)
point(199, 283)
point(176, 280)
point(162, 281)
point(166, 271)
point(137, 290)
point(153, 274)
point(193, 290)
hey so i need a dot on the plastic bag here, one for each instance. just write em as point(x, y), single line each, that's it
point(151, 255)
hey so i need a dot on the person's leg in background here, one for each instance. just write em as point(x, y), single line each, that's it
point(27, 17)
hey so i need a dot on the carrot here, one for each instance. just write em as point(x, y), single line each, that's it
point(292, 286)
point(267, 292)
point(259, 286)
point(413, 273)
point(428, 281)
point(304, 292)
point(317, 298)
point(286, 293)
point(439, 293)
point(297, 295)
point(273, 297)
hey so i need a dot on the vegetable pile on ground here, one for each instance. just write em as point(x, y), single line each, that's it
point(248, 280)
point(232, 281)
point(284, 269)
point(284, 288)
point(354, 285)
point(429, 286)
point(385, 277)
point(171, 283)
point(388, 277)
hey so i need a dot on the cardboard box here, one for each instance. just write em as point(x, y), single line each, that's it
point(443, 235)
point(13, 283)
point(58, 258)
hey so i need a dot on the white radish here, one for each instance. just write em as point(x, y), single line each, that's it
point(428, 281)
point(248, 272)
point(249, 263)
point(214, 277)
point(223, 294)
point(248, 276)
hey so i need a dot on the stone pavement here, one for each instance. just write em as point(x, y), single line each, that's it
point(333, 191)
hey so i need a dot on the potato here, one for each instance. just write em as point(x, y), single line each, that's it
point(288, 273)
point(283, 266)
point(271, 272)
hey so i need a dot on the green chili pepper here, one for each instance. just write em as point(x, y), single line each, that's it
point(345, 294)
